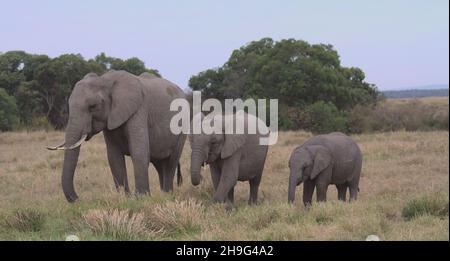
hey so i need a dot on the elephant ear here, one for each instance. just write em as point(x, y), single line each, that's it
point(127, 95)
point(231, 144)
point(322, 159)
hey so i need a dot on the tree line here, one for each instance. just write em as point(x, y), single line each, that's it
point(314, 91)
point(34, 88)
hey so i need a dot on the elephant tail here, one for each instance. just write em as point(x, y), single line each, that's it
point(179, 176)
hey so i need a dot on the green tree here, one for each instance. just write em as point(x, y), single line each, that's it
point(8, 111)
point(324, 117)
point(41, 85)
point(11, 65)
point(132, 65)
point(295, 72)
point(54, 81)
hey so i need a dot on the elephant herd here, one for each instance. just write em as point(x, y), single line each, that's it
point(133, 113)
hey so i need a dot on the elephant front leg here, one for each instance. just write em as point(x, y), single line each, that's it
point(117, 164)
point(228, 178)
point(140, 156)
point(321, 192)
point(231, 195)
point(308, 190)
point(215, 175)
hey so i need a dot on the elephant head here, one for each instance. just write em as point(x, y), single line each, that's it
point(207, 148)
point(96, 103)
point(306, 162)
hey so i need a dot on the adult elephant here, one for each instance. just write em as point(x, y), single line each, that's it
point(133, 113)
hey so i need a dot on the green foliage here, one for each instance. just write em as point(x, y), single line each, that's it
point(8, 111)
point(296, 73)
point(324, 117)
point(434, 205)
point(132, 65)
point(41, 85)
point(25, 220)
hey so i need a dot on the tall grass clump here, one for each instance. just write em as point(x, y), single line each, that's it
point(434, 205)
point(120, 224)
point(183, 217)
point(25, 220)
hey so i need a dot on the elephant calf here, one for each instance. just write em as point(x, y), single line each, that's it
point(322, 160)
point(231, 158)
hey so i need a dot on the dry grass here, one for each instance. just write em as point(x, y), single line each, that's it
point(176, 216)
point(437, 101)
point(402, 170)
point(119, 224)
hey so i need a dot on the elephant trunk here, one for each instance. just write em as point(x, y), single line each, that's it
point(70, 163)
point(196, 164)
point(293, 183)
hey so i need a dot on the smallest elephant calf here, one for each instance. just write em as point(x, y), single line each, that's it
point(322, 160)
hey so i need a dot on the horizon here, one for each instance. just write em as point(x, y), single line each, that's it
point(397, 44)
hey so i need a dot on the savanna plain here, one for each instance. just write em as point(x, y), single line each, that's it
point(404, 195)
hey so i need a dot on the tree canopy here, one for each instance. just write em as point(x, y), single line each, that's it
point(295, 72)
point(41, 85)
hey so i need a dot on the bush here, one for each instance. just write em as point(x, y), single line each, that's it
point(411, 115)
point(25, 220)
point(8, 111)
point(38, 123)
point(324, 117)
point(434, 205)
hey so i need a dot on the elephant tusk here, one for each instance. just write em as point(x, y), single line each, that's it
point(56, 147)
point(62, 147)
point(83, 138)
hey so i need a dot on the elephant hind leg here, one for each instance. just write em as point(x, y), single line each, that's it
point(354, 184)
point(254, 186)
point(342, 191)
point(170, 168)
point(353, 193)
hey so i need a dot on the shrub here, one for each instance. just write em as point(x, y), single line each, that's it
point(435, 205)
point(40, 123)
point(325, 117)
point(8, 111)
point(411, 115)
point(25, 220)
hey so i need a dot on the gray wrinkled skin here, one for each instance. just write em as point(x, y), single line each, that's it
point(323, 160)
point(133, 113)
point(231, 158)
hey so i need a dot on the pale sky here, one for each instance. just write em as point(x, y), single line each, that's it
point(396, 43)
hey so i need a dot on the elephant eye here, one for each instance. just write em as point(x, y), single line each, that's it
point(92, 107)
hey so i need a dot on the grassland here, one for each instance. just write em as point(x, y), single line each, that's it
point(404, 196)
point(435, 101)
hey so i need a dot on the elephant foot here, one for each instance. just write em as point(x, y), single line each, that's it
point(229, 207)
